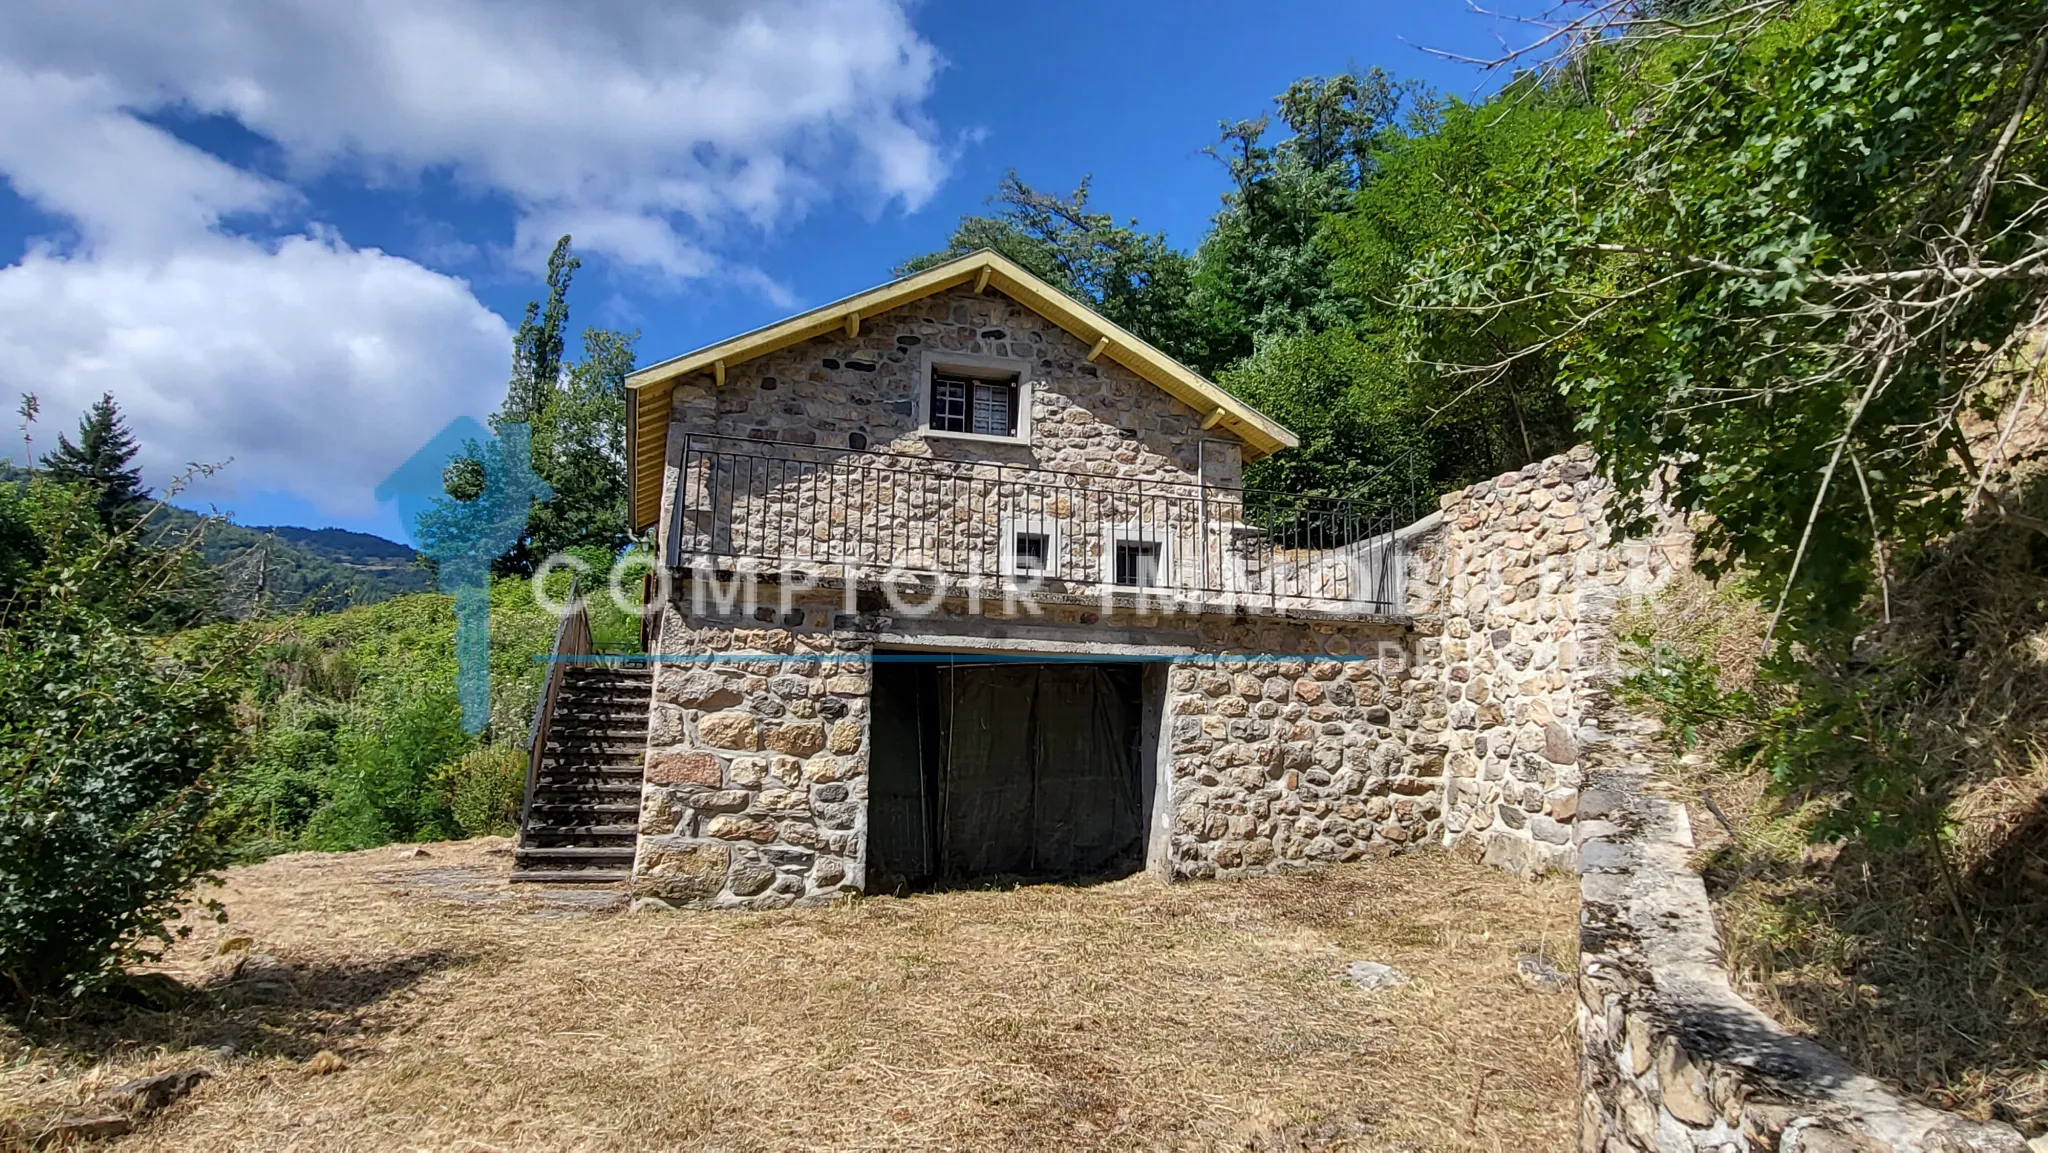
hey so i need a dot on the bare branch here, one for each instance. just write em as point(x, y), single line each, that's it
point(1987, 181)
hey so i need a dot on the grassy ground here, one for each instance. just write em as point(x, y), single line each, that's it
point(469, 1016)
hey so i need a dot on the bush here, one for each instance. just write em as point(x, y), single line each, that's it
point(108, 749)
point(383, 789)
point(485, 789)
point(106, 759)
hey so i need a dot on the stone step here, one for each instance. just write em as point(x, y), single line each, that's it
point(586, 829)
point(576, 856)
point(607, 683)
point(558, 762)
point(578, 705)
point(540, 840)
point(602, 734)
point(611, 876)
point(611, 759)
point(559, 792)
point(558, 809)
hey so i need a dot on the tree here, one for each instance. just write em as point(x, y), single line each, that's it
point(537, 348)
point(579, 441)
point(1803, 252)
point(102, 458)
point(576, 416)
point(1262, 270)
point(1133, 278)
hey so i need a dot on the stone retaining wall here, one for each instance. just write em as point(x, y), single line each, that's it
point(1513, 592)
point(1671, 1058)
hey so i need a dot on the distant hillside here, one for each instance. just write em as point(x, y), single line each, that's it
point(283, 567)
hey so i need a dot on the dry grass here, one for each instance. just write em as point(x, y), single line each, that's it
point(468, 1016)
point(1929, 973)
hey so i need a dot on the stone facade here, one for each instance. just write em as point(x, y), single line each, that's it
point(862, 392)
point(1274, 742)
point(819, 454)
point(1281, 740)
point(755, 789)
point(1290, 762)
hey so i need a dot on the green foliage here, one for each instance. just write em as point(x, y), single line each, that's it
point(579, 449)
point(485, 788)
point(1292, 299)
point(576, 417)
point(386, 767)
point(1263, 271)
point(358, 738)
point(1350, 404)
point(1133, 278)
point(107, 763)
point(63, 561)
point(103, 458)
point(1684, 689)
point(1748, 280)
point(538, 346)
point(109, 750)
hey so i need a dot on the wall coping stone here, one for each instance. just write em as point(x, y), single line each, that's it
point(1673, 1058)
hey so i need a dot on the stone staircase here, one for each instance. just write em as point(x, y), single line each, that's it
point(584, 812)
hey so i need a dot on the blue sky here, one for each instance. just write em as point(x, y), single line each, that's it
point(296, 235)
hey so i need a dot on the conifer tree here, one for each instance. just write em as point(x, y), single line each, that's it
point(103, 457)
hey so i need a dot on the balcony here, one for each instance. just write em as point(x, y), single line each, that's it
point(1023, 531)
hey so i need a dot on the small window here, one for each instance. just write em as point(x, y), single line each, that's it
point(1137, 563)
point(982, 407)
point(1030, 551)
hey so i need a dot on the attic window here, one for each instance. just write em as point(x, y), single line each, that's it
point(969, 405)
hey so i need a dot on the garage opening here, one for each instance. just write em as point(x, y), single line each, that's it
point(987, 770)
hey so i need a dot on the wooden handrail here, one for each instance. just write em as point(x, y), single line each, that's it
point(572, 639)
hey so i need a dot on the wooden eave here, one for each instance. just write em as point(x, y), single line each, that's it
point(649, 390)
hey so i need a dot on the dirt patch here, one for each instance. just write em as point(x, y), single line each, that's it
point(461, 1013)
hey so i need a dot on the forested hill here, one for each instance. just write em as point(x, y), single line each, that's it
point(284, 567)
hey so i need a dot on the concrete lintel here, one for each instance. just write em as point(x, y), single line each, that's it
point(949, 592)
point(1108, 645)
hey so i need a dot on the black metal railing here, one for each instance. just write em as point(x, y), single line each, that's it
point(879, 515)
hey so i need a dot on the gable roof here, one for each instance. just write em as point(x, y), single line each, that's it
point(648, 390)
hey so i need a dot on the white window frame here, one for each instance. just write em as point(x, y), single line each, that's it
point(1051, 528)
point(1160, 536)
point(995, 369)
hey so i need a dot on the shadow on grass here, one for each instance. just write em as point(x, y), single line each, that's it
point(264, 1011)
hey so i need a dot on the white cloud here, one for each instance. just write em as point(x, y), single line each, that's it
point(316, 367)
point(654, 130)
point(653, 126)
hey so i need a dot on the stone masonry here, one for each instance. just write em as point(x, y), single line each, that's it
point(756, 781)
point(1672, 1059)
point(1278, 745)
point(1512, 593)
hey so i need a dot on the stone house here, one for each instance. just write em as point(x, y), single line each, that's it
point(964, 582)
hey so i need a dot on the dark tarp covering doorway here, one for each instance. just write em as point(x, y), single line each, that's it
point(1003, 769)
